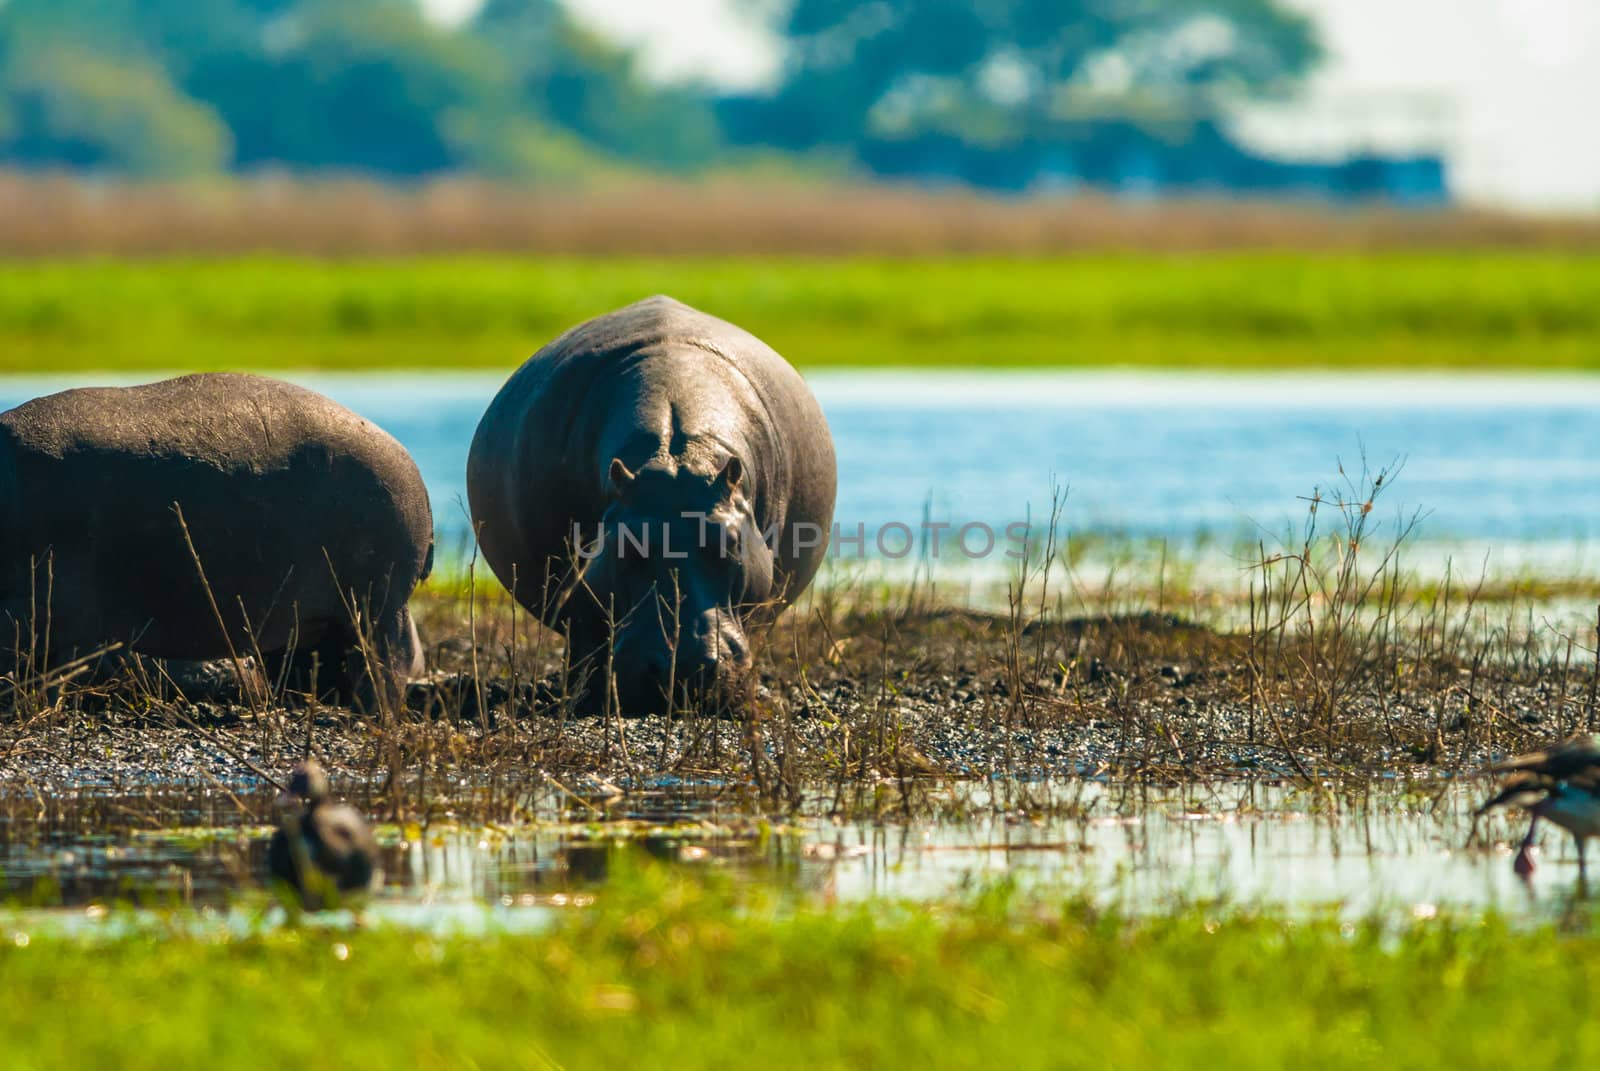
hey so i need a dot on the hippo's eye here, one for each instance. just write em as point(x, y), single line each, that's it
point(724, 543)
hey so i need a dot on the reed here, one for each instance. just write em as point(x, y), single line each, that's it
point(60, 216)
point(1336, 661)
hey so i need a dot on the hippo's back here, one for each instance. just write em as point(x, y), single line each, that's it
point(542, 450)
point(279, 488)
point(225, 419)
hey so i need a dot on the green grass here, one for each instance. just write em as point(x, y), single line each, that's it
point(1487, 310)
point(667, 973)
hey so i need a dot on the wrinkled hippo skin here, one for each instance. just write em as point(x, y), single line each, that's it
point(296, 507)
point(658, 419)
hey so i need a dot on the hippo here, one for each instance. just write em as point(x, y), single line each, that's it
point(207, 517)
point(658, 484)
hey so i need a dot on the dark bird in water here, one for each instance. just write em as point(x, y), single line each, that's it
point(323, 851)
point(1561, 784)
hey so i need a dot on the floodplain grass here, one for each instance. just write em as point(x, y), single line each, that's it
point(671, 971)
point(1486, 310)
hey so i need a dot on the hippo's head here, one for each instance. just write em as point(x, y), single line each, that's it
point(679, 570)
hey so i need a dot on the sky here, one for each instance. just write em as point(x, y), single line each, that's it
point(1510, 88)
point(1507, 89)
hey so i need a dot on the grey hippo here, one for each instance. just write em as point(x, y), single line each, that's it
point(659, 484)
point(114, 501)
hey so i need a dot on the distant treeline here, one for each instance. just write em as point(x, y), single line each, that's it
point(1004, 94)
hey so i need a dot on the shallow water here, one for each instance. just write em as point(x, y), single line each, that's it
point(1386, 849)
point(1494, 460)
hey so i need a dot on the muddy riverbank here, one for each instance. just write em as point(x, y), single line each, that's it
point(851, 698)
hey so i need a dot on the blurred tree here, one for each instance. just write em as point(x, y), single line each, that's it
point(370, 85)
point(593, 88)
point(366, 85)
point(997, 70)
point(999, 92)
point(66, 108)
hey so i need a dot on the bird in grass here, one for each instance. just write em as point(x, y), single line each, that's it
point(323, 851)
point(1560, 784)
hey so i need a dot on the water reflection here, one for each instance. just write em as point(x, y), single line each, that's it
point(1386, 849)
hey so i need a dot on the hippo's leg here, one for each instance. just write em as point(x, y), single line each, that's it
point(24, 636)
point(409, 657)
point(315, 667)
point(340, 665)
point(588, 671)
point(33, 654)
point(380, 668)
point(13, 634)
point(30, 643)
point(398, 649)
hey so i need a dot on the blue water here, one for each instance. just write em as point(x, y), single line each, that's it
point(1179, 456)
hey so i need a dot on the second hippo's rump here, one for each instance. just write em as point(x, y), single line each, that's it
point(140, 515)
point(658, 483)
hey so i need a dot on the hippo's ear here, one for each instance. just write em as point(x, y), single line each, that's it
point(621, 478)
point(729, 478)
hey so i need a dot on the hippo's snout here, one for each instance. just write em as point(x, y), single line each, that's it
point(649, 674)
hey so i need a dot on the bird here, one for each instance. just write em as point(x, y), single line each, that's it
point(1561, 784)
point(323, 851)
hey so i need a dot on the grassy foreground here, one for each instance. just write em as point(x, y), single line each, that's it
point(667, 973)
point(1506, 310)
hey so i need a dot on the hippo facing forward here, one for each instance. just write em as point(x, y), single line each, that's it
point(297, 510)
point(659, 484)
